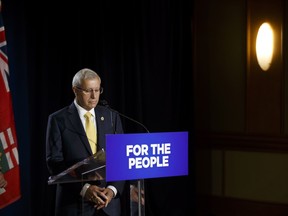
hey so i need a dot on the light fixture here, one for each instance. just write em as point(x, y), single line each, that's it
point(265, 46)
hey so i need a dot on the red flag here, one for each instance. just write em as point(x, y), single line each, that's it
point(9, 160)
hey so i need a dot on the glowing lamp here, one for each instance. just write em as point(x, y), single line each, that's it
point(265, 46)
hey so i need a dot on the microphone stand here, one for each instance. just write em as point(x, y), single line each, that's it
point(105, 103)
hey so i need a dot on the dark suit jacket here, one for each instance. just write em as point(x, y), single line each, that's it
point(67, 144)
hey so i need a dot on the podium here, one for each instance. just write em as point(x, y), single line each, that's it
point(132, 157)
point(93, 168)
point(90, 169)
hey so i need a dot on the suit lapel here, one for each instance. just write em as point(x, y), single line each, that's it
point(77, 126)
point(100, 129)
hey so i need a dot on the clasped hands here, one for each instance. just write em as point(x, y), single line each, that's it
point(100, 196)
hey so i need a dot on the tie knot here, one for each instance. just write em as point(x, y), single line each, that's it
point(88, 115)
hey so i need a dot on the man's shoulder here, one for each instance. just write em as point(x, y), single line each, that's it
point(63, 111)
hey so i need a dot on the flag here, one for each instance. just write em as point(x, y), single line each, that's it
point(9, 160)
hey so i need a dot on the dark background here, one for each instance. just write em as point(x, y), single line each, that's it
point(143, 52)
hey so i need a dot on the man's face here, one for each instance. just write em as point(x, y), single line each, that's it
point(87, 95)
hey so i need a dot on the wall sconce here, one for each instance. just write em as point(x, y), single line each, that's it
point(266, 93)
point(265, 46)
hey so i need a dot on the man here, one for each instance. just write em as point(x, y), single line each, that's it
point(67, 144)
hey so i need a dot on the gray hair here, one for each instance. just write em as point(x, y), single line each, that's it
point(84, 74)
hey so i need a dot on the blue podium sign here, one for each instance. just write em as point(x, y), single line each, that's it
point(146, 155)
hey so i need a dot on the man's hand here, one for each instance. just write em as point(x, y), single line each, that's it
point(100, 196)
point(109, 194)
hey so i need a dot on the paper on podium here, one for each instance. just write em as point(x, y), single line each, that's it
point(90, 169)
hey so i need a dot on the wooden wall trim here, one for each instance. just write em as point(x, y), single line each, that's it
point(244, 142)
point(223, 206)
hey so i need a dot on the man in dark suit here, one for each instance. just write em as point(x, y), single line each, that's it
point(67, 144)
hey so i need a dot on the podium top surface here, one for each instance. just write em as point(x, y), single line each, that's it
point(92, 168)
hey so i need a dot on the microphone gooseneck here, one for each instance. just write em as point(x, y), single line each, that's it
point(105, 104)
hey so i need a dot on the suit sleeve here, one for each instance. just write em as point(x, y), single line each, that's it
point(54, 156)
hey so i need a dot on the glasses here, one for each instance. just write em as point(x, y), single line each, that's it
point(90, 91)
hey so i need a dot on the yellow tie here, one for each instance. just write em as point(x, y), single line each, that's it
point(91, 132)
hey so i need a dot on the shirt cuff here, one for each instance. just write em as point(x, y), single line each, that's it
point(84, 189)
point(113, 189)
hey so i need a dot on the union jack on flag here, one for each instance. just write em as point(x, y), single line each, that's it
point(9, 159)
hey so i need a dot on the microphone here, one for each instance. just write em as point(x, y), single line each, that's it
point(105, 104)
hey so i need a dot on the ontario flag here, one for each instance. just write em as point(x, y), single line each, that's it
point(9, 160)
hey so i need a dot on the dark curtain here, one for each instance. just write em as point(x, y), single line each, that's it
point(143, 52)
